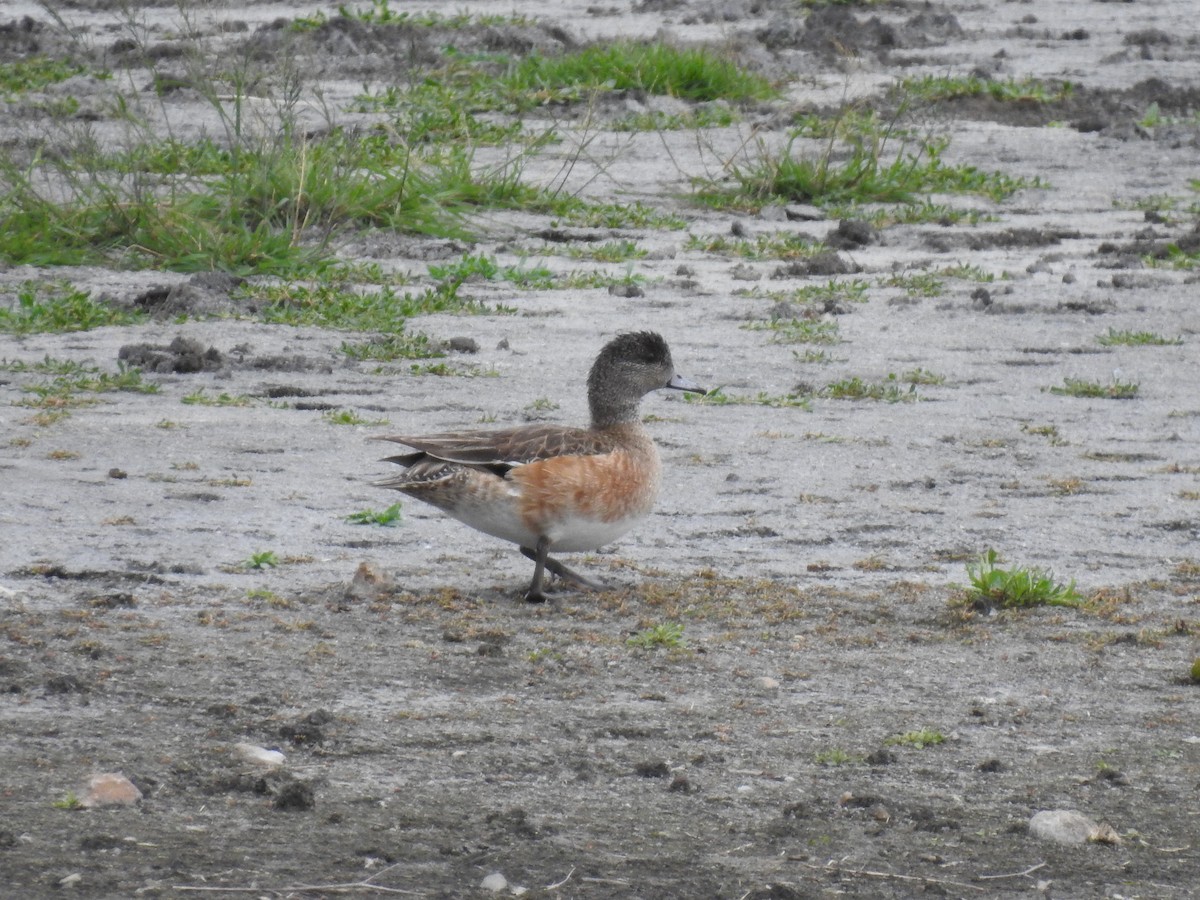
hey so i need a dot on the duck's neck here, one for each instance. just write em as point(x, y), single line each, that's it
point(607, 411)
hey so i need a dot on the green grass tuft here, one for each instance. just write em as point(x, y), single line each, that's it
point(690, 74)
point(386, 517)
point(664, 634)
point(1115, 338)
point(918, 740)
point(872, 171)
point(60, 308)
point(1114, 390)
point(994, 587)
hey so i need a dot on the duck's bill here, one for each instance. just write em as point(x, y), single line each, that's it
point(679, 383)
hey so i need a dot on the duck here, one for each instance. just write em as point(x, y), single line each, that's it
point(547, 487)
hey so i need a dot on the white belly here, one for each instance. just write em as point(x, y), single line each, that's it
point(566, 535)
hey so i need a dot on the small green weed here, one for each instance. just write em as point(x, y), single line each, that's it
point(1114, 338)
point(919, 284)
point(718, 397)
point(873, 172)
point(932, 88)
point(836, 290)
point(34, 73)
point(799, 331)
point(387, 517)
point(60, 308)
point(261, 560)
point(820, 357)
point(781, 245)
point(446, 370)
point(333, 306)
point(855, 388)
point(918, 740)
point(349, 417)
point(994, 587)
point(920, 376)
point(690, 74)
point(664, 634)
point(619, 215)
point(1047, 431)
point(835, 756)
point(88, 379)
point(388, 347)
point(202, 398)
point(1114, 390)
point(69, 801)
point(967, 272)
point(610, 252)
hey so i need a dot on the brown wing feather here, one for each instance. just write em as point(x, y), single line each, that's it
point(502, 449)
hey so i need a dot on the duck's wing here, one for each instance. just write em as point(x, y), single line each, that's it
point(500, 450)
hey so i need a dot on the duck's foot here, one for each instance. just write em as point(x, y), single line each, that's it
point(543, 561)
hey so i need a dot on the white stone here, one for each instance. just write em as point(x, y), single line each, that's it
point(260, 756)
point(494, 883)
point(1063, 826)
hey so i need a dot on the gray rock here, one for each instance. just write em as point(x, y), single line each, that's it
point(1069, 826)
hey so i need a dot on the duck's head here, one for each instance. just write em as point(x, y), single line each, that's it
point(630, 366)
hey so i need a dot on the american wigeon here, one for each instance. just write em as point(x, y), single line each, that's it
point(552, 487)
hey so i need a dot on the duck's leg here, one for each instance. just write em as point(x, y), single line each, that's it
point(544, 561)
point(540, 558)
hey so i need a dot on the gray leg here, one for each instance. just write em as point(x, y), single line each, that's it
point(535, 593)
point(545, 561)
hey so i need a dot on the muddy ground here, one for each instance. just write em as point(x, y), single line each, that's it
point(437, 730)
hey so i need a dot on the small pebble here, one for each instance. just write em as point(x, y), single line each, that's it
point(1069, 826)
point(260, 756)
point(494, 883)
point(110, 789)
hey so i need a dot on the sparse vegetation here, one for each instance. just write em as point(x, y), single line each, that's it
point(718, 397)
point(932, 88)
point(664, 634)
point(1017, 587)
point(59, 307)
point(918, 740)
point(799, 331)
point(69, 801)
point(385, 517)
point(389, 347)
point(779, 245)
point(879, 167)
point(891, 390)
point(1115, 338)
point(918, 284)
point(690, 74)
point(1114, 390)
point(261, 560)
point(835, 756)
point(203, 398)
point(349, 417)
point(33, 74)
